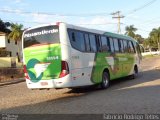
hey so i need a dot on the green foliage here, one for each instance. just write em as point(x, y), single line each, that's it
point(16, 32)
point(139, 38)
point(153, 41)
point(16, 35)
point(4, 26)
point(130, 31)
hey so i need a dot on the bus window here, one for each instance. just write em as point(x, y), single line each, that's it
point(99, 44)
point(130, 47)
point(105, 46)
point(87, 43)
point(116, 45)
point(125, 46)
point(93, 43)
point(41, 35)
point(121, 46)
point(77, 40)
point(111, 44)
point(138, 48)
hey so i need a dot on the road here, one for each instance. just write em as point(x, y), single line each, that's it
point(123, 96)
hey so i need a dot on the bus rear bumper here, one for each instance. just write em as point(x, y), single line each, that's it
point(52, 83)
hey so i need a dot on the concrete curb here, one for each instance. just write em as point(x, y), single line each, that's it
point(12, 82)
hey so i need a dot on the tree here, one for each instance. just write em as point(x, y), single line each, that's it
point(139, 38)
point(155, 37)
point(146, 43)
point(130, 31)
point(16, 35)
point(4, 27)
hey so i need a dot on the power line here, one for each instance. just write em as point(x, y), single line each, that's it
point(139, 29)
point(21, 21)
point(53, 14)
point(151, 20)
point(96, 23)
point(116, 14)
point(141, 7)
point(36, 22)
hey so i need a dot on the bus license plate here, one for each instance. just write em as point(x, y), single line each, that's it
point(44, 83)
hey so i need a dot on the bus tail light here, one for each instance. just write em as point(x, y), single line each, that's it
point(25, 72)
point(64, 69)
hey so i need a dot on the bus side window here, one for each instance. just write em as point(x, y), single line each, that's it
point(108, 44)
point(138, 48)
point(77, 40)
point(131, 48)
point(116, 45)
point(104, 42)
point(121, 46)
point(99, 44)
point(87, 42)
point(111, 45)
point(92, 38)
point(125, 46)
point(73, 36)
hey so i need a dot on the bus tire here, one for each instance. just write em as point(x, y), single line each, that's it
point(105, 80)
point(135, 72)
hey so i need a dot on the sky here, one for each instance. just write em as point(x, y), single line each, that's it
point(96, 14)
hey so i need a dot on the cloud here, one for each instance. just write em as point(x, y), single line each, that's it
point(13, 1)
point(18, 1)
point(46, 19)
point(93, 21)
point(7, 9)
point(99, 22)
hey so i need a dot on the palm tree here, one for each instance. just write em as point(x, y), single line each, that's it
point(16, 35)
point(155, 36)
point(139, 38)
point(130, 31)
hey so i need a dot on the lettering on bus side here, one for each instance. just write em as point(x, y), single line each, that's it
point(52, 58)
point(75, 57)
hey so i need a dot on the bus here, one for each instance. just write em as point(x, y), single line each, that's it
point(62, 55)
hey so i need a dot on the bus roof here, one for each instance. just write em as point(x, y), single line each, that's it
point(121, 36)
point(110, 34)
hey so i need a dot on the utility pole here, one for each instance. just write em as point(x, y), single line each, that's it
point(116, 15)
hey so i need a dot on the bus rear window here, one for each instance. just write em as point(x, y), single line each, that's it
point(42, 35)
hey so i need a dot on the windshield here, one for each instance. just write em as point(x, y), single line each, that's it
point(42, 35)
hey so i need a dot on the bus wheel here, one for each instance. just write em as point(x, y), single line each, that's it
point(135, 73)
point(105, 80)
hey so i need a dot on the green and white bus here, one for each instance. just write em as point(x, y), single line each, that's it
point(62, 55)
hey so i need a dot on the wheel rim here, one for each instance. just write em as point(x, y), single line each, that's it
point(105, 79)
